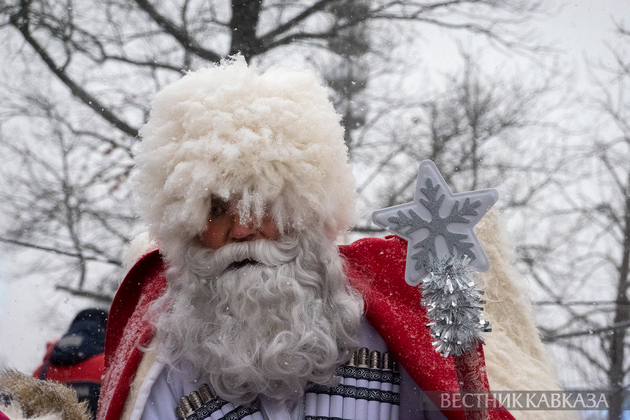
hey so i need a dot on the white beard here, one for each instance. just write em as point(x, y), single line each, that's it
point(263, 328)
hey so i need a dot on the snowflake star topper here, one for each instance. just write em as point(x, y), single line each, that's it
point(437, 224)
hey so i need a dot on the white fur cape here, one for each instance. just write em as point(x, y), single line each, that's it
point(516, 359)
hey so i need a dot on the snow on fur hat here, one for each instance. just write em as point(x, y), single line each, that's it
point(272, 139)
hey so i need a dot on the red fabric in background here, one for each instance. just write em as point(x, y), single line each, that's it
point(90, 370)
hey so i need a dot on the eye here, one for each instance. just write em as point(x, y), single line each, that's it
point(218, 208)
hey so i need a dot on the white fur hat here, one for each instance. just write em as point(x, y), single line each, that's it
point(273, 139)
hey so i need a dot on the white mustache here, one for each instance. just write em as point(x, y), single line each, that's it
point(209, 264)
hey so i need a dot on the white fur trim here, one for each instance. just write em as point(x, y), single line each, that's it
point(140, 389)
point(139, 246)
point(14, 412)
point(273, 138)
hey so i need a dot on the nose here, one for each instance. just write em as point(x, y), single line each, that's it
point(242, 230)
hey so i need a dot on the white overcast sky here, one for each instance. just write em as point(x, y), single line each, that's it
point(584, 27)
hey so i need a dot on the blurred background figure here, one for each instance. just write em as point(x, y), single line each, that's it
point(77, 358)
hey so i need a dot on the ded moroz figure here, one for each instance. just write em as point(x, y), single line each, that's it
point(244, 306)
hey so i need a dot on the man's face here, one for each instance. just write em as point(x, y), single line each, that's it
point(268, 327)
point(225, 226)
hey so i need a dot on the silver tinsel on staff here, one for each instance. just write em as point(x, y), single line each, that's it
point(453, 306)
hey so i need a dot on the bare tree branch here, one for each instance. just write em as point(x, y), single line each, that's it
point(21, 22)
point(97, 297)
point(179, 34)
point(55, 250)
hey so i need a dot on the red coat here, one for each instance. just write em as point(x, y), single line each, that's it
point(375, 267)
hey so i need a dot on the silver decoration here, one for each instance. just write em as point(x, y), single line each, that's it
point(453, 306)
point(437, 223)
point(443, 254)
